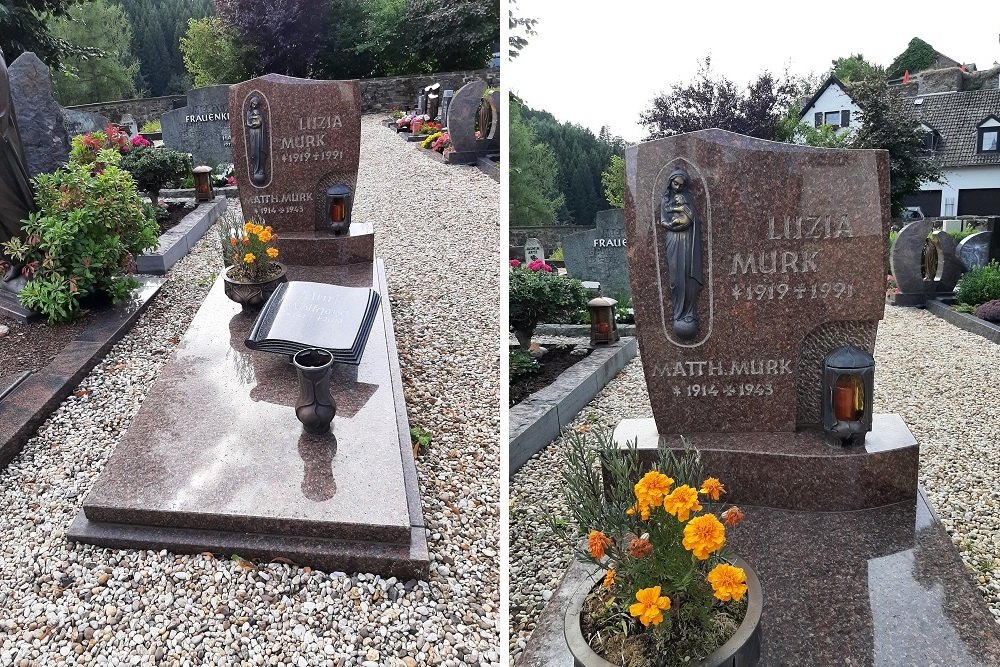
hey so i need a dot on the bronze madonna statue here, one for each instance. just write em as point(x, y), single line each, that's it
point(256, 142)
point(16, 197)
point(683, 253)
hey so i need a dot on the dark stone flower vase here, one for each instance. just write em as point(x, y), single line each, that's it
point(742, 649)
point(251, 294)
point(315, 407)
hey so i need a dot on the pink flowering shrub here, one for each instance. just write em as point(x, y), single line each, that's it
point(539, 265)
point(140, 141)
point(514, 263)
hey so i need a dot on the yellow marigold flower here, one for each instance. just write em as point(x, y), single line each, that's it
point(733, 516)
point(609, 579)
point(249, 258)
point(712, 488)
point(248, 227)
point(681, 502)
point(649, 606)
point(728, 582)
point(272, 252)
point(264, 236)
point(703, 535)
point(597, 542)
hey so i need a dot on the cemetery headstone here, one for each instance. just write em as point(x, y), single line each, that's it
point(445, 103)
point(916, 251)
point(81, 122)
point(533, 251)
point(39, 116)
point(293, 140)
point(128, 122)
point(201, 128)
point(974, 250)
point(463, 114)
point(600, 254)
point(749, 263)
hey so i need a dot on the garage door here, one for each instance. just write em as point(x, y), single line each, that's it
point(982, 201)
point(929, 202)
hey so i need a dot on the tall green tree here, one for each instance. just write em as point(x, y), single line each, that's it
point(213, 54)
point(453, 35)
point(534, 189)
point(613, 180)
point(25, 26)
point(111, 76)
point(285, 35)
point(853, 68)
point(886, 124)
point(521, 29)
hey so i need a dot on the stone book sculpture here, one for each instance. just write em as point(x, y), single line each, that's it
point(301, 315)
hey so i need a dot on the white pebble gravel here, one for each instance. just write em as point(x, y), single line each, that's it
point(60, 603)
point(943, 381)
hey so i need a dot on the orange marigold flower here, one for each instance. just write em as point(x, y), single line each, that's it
point(652, 487)
point(703, 535)
point(733, 516)
point(712, 488)
point(640, 548)
point(272, 252)
point(609, 579)
point(649, 606)
point(264, 236)
point(249, 258)
point(233, 241)
point(246, 241)
point(597, 542)
point(728, 582)
point(681, 502)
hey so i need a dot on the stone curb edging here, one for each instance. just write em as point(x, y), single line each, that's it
point(987, 330)
point(538, 420)
point(579, 330)
point(38, 395)
point(228, 191)
point(179, 240)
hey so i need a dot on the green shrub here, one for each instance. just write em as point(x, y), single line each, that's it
point(958, 236)
point(87, 230)
point(541, 296)
point(557, 254)
point(521, 363)
point(153, 168)
point(151, 127)
point(979, 285)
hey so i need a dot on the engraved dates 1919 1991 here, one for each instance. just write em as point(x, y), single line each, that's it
point(683, 253)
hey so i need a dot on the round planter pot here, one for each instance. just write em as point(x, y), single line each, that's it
point(742, 649)
point(252, 294)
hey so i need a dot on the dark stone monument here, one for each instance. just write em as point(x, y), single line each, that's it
point(40, 118)
point(469, 109)
point(600, 254)
point(787, 274)
point(81, 122)
point(292, 140)
point(974, 250)
point(925, 264)
point(202, 127)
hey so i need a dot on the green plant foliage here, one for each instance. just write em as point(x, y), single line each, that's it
point(111, 76)
point(25, 25)
point(613, 180)
point(534, 192)
point(541, 296)
point(964, 308)
point(918, 56)
point(557, 254)
point(979, 285)
point(88, 228)
point(853, 68)
point(213, 54)
point(153, 168)
point(521, 363)
point(151, 126)
point(420, 437)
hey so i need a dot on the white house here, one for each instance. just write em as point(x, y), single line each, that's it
point(831, 105)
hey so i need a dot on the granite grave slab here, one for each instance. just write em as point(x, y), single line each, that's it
point(600, 255)
point(202, 127)
point(292, 140)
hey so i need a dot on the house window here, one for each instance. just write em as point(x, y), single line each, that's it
point(932, 140)
point(988, 139)
point(837, 119)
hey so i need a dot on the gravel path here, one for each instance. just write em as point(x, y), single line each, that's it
point(940, 379)
point(63, 603)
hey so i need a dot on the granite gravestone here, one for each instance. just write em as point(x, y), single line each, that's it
point(917, 250)
point(600, 254)
point(202, 127)
point(292, 140)
point(81, 122)
point(974, 250)
point(39, 116)
point(533, 251)
point(750, 261)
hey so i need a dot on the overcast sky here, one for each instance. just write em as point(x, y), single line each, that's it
point(601, 64)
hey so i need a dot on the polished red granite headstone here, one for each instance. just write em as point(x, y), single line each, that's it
point(292, 140)
point(791, 265)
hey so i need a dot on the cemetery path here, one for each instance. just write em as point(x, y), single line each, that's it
point(437, 227)
point(941, 379)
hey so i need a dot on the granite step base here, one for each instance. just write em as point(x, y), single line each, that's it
point(877, 587)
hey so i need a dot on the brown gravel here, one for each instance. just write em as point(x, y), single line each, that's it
point(33, 346)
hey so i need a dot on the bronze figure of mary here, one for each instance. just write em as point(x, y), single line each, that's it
point(255, 142)
point(683, 253)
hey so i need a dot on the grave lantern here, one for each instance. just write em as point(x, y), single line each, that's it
point(338, 208)
point(603, 328)
point(203, 184)
point(848, 383)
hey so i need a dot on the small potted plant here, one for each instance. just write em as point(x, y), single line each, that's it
point(254, 273)
point(665, 591)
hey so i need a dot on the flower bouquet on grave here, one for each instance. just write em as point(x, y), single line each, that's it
point(670, 593)
point(253, 253)
point(441, 143)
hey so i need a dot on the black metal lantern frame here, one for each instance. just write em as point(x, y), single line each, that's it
point(848, 388)
point(603, 327)
point(338, 208)
point(203, 190)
